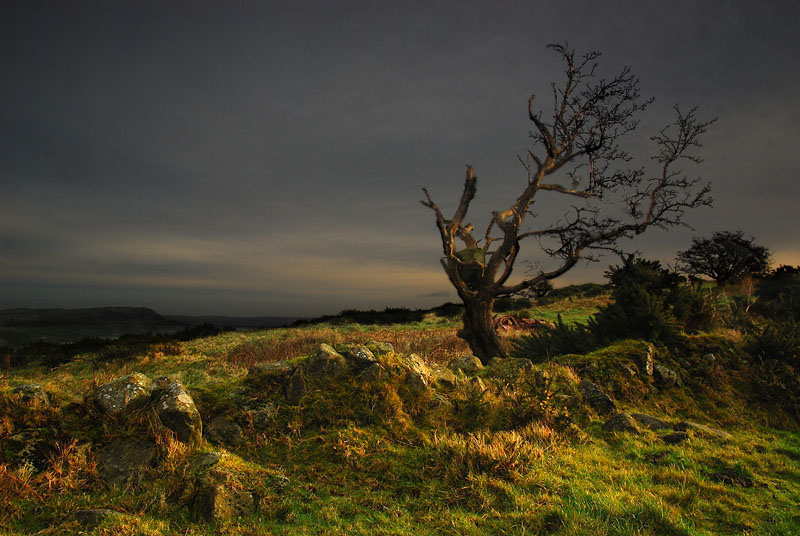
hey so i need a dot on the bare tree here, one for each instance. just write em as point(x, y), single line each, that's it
point(575, 154)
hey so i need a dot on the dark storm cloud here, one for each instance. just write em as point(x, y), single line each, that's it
point(267, 157)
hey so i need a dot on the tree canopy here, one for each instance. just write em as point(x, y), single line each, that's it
point(726, 257)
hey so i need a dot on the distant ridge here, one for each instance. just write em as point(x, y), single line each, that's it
point(23, 326)
point(240, 322)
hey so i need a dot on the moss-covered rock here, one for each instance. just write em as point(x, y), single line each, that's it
point(123, 394)
point(326, 362)
point(177, 412)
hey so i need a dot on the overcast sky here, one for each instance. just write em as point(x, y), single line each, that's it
point(247, 157)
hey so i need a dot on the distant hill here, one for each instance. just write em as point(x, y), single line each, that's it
point(239, 322)
point(23, 326)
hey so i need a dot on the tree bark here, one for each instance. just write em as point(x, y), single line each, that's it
point(479, 330)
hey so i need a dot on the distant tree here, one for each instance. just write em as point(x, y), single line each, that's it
point(578, 139)
point(726, 257)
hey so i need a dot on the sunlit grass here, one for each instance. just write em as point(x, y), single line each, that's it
point(376, 459)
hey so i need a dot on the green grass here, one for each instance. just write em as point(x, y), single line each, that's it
point(376, 459)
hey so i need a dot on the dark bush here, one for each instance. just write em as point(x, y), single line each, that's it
point(778, 294)
point(506, 304)
point(775, 349)
point(546, 344)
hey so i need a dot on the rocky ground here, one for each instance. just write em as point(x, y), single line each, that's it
point(359, 437)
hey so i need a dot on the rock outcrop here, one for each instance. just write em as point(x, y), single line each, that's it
point(621, 422)
point(597, 399)
point(468, 364)
point(177, 412)
point(123, 394)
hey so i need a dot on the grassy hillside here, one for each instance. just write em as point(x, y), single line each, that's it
point(402, 444)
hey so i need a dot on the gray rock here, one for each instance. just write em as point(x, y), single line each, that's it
point(374, 372)
point(263, 416)
point(177, 412)
point(666, 377)
point(675, 437)
point(123, 394)
point(360, 355)
point(223, 431)
point(415, 363)
point(380, 349)
point(468, 364)
point(597, 399)
point(218, 497)
point(123, 462)
point(326, 361)
point(702, 430)
point(32, 394)
point(647, 361)
point(296, 387)
point(443, 376)
point(621, 422)
point(650, 422)
point(93, 517)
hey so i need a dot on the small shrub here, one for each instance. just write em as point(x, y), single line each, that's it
point(545, 344)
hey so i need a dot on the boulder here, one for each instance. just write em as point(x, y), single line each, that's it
point(218, 497)
point(443, 376)
point(621, 422)
point(647, 361)
point(123, 462)
point(702, 430)
point(32, 394)
point(597, 399)
point(326, 361)
point(223, 431)
point(360, 355)
point(414, 363)
point(650, 422)
point(666, 377)
point(468, 364)
point(380, 349)
point(177, 412)
point(374, 372)
point(123, 394)
point(296, 387)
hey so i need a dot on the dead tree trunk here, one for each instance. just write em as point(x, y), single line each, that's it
point(479, 330)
